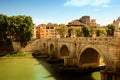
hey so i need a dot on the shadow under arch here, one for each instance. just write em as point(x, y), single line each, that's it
point(64, 51)
point(91, 57)
point(52, 50)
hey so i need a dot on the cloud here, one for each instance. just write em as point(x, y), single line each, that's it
point(79, 3)
point(105, 6)
point(97, 9)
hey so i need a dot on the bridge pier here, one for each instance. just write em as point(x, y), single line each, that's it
point(110, 75)
point(70, 61)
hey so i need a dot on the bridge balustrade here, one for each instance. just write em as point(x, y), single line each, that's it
point(94, 39)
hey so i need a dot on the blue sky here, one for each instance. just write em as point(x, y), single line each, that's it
point(62, 11)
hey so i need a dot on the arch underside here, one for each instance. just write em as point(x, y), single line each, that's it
point(64, 51)
point(51, 48)
point(52, 51)
point(91, 58)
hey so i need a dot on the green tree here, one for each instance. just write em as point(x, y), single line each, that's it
point(91, 30)
point(62, 30)
point(70, 31)
point(98, 32)
point(16, 28)
point(78, 31)
point(85, 31)
point(110, 30)
point(3, 27)
point(22, 26)
point(103, 32)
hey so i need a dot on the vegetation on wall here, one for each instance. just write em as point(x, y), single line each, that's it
point(86, 31)
point(110, 30)
point(62, 30)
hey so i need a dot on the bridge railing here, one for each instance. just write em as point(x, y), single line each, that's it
point(95, 39)
point(86, 40)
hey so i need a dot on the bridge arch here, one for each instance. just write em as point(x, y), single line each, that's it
point(91, 57)
point(64, 51)
point(44, 51)
point(52, 49)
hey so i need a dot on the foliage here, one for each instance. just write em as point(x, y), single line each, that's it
point(62, 30)
point(85, 30)
point(78, 31)
point(103, 31)
point(70, 31)
point(98, 32)
point(91, 31)
point(16, 54)
point(110, 30)
point(4, 21)
point(17, 28)
point(75, 30)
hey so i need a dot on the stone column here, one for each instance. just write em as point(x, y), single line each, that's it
point(110, 75)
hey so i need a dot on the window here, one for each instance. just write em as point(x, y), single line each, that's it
point(47, 27)
point(51, 28)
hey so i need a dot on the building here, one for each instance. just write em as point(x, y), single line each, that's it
point(40, 31)
point(46, 31)
point(75, 23)
point(93, 22)
point(116, 23)
point(51, 30)
point(84, 20)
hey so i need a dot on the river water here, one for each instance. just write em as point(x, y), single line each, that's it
point(37, 69)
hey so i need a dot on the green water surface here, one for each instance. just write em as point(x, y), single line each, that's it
point(32, 69)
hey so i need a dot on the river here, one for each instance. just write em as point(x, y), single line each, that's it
point(37, 69)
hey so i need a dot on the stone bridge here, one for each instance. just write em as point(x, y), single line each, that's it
point(85, 52)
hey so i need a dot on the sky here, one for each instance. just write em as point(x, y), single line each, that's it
point(62, 11)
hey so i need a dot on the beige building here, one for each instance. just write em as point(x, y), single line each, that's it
point(93, 22)
point(116, 23)
point(84, 20)
point(46, 30)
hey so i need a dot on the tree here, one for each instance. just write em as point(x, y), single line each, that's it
point(70, 31)
point(98, 32)
point(110, 30)
point(62, 30)
point(78, 31)
point(103, 32)
point(3, 27)
point(85, 31)
point(16, 28)
point(23, 29)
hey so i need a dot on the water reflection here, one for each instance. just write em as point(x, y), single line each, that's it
point(54, 71)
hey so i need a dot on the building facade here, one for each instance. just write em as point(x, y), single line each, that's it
point(46, 31)
point(116, 23)
point(84, 20)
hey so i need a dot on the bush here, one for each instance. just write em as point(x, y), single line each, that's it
point(15, 54)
